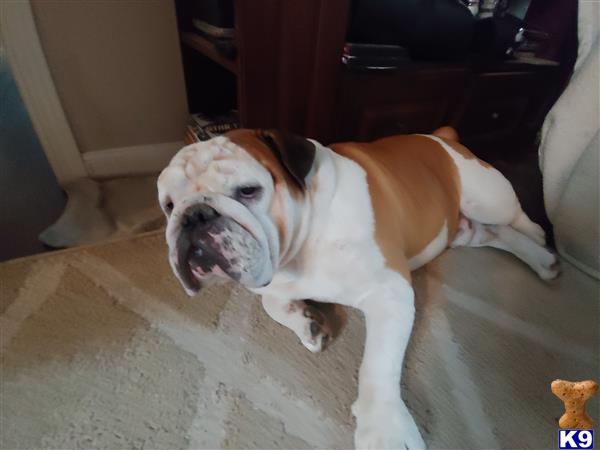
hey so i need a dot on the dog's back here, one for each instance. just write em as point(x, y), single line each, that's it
point(415, 191)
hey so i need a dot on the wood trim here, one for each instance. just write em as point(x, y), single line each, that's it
point(32, 75)
point(257, 34)
point(295, 59)
point(331, 29)
point(135, 160)
point(277, 40)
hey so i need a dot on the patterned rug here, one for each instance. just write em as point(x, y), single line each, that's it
point(101, 348)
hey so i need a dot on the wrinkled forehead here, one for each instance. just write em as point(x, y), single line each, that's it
point(213, 165)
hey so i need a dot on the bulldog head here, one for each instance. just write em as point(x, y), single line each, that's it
point(232, 205)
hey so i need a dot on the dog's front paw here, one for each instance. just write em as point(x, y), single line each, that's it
point(317, 331)
point(385, 426)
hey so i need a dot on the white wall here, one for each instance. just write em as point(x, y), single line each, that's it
point(117, 69)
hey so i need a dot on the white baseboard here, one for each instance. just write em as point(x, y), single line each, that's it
point(136, 160)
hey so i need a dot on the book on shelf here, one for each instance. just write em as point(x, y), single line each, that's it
point(202, 127)
point(213, 31)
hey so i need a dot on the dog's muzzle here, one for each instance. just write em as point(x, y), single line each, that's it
point(206, 243)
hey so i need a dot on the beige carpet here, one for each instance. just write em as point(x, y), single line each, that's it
point(102, 349)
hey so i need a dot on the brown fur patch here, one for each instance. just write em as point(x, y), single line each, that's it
point(447, 133)
point(282, 180)
point(414, 188)
point(296, 154)
point(249, 141)
point(279, 219)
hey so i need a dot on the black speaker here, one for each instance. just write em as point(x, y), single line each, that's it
point(429, 29)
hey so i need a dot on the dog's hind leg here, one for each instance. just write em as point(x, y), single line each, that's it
point(486, 196)
point(528, 227)
point(504, 237)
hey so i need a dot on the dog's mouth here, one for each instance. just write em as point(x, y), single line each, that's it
point(215, 236)
point(201, 258)
point(223, 249)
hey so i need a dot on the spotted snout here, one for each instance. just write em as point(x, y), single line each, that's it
point(210, 244)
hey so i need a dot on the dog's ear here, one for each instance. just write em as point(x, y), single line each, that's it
point(296, 154)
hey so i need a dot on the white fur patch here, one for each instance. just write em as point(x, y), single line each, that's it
point(433, 249)
point(486, 195)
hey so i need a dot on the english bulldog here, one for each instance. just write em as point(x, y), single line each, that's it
point(291, 219)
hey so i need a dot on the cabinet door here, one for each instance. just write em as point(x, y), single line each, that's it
point(499, 106)
point(374, 105)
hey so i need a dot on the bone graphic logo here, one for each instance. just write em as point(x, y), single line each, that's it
point(576, 425)
point(574, 394)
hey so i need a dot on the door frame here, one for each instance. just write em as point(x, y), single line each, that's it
point(27, 61)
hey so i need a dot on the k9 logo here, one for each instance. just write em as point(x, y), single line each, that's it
point(576, 439)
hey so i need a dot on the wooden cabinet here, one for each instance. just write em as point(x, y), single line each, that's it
point(499, 106)
point(488, 108)
point(288, 74)
point(373, 105)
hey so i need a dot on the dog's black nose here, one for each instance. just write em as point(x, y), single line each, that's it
point(198, 216)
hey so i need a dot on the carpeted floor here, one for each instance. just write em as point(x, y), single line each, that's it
point(102, 349)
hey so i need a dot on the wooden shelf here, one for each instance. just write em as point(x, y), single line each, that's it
point(206, 47)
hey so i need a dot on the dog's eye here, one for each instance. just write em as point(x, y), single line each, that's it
point(248, 192)
point(169, 207)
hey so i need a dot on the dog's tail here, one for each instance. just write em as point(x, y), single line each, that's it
point(447, 133)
